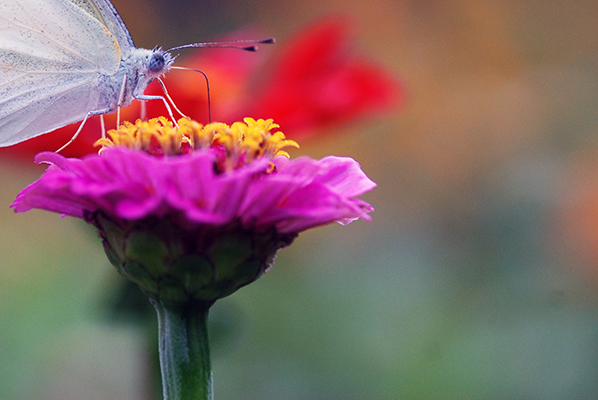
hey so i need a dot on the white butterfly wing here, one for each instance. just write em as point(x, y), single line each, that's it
point(105, 12)
point(32, 119)
point(51, 55)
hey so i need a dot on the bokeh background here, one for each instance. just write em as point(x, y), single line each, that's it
point(476, 279)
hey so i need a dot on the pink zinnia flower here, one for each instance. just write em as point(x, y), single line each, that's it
point(172, 203)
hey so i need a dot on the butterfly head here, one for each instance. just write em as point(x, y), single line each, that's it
point(159, 62)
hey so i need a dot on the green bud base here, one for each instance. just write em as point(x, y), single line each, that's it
point(195, 263)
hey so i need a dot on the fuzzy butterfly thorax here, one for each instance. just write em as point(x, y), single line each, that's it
point(136, 72)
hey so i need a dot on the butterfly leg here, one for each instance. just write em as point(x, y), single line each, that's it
point(143, 112)
point(170, 98)
point(145, 97)
point(102, 126)
point(89, 114)
point(121, 96)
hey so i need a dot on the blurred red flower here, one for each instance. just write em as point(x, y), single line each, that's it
point(316, 81)
point(319, 82)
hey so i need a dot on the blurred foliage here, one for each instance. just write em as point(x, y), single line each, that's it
point(476, 279)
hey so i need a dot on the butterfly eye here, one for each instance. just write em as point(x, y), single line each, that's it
point(156, 62)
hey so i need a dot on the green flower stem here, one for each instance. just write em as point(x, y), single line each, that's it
point(184, 350)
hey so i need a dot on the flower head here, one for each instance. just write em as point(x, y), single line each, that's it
point(197, 211)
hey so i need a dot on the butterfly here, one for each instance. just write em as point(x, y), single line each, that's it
point(63, 61)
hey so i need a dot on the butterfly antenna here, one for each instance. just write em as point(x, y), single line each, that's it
point(207, 86)
point(242, 44)
point(170, 98)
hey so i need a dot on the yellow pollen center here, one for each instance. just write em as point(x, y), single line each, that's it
point(242, 142)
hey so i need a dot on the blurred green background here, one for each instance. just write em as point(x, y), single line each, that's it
point(476, 279)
